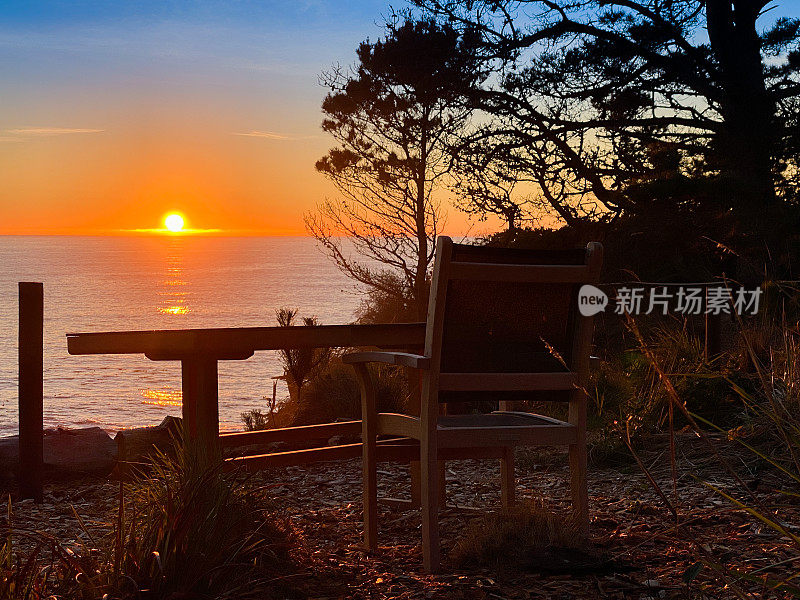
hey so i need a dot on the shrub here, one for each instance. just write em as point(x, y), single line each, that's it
point(184, 529)
point(301, 364)
point(769, 396)
point(255, 420)
point(335, 394)
point(393, 302)
point(626, 386)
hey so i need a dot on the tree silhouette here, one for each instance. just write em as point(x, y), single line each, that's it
point(619, 107)
point(487, 187)
point(394, 118)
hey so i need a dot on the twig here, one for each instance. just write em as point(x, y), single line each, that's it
point(627, 439)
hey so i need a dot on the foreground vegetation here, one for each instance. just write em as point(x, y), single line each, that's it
point(177, 530)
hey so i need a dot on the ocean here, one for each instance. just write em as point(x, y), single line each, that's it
point(156, 282)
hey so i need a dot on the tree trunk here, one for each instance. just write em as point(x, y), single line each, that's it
point(745, 146)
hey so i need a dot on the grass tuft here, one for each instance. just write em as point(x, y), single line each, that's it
point(525, 537)
point(191, 530)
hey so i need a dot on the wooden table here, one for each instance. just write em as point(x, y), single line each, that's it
point(199, 350)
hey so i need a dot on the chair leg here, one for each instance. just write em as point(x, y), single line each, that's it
point(507, 483)
point(430, 513)
point(369, 463)
point(579, 487)
point(416, 493)
point(370, 468)
point(414, 470)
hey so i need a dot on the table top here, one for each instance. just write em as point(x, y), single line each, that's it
point(236, 343)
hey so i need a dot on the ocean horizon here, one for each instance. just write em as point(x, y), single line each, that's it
point(121, 283)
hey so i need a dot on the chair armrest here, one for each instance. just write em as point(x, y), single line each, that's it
point(415, 361)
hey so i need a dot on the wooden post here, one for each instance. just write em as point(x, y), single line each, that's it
point(31, 389)
point(413, 408)
point(199, 397)
point(200, 402)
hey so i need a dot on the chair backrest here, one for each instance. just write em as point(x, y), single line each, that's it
point(511, 316)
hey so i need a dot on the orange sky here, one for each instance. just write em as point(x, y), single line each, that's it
point(106, 181)
point(112, 120)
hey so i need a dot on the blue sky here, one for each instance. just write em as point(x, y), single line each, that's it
point(177, 46)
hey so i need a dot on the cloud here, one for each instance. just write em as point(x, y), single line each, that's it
point(271, 135)
point(265, 134)
point(46, 131)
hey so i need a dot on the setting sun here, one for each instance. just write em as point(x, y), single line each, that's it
point(174, 222)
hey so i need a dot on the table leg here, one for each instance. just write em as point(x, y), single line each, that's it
point(200, 400)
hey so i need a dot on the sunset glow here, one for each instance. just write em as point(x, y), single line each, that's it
point(134, 136)
point(172, 104)
point(174, 222)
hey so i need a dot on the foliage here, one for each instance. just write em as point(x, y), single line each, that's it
point(183, 529)
point(189, 529)
point(629, 109)
point(255, 420)
point(335, 394)
point(389, 303)
point(486, 183)
point(772, 405)
point(48, 570)
point(301, 364)
point(646, 246)
point(393, 117)
point(628, 385)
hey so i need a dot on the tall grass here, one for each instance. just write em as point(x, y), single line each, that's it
point(192, 531)
point(762, 378)
point(183, 529)
point(628, 385)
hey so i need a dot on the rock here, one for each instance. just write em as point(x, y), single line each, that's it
point(136, 444)
point(9, 456)
point(82, 450)
point(87, 450)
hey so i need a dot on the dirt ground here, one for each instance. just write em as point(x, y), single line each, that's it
point(640, 551)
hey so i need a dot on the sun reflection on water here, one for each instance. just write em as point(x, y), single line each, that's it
point(173, 310)
point(173, 297)
point(162, 397)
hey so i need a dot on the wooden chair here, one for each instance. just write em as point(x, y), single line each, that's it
point(503, 326)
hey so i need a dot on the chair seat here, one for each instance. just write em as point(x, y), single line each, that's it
point(503, 428)
point(498, 418)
